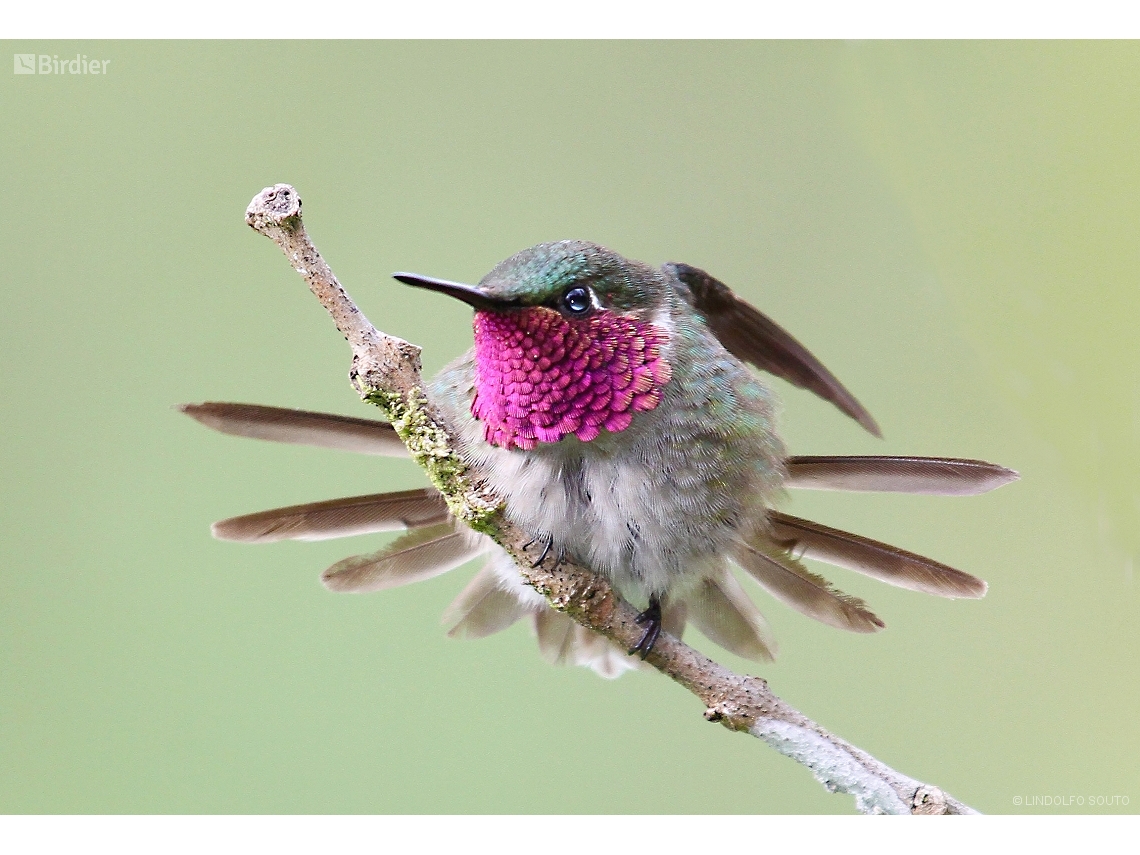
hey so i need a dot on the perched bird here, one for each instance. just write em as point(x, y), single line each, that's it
point(609, 404)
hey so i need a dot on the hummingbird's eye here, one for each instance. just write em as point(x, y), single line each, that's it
point(576, 301)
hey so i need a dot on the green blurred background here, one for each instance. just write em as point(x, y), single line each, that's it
point(951, 227)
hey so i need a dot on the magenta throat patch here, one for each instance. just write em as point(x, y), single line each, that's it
point(540, 376)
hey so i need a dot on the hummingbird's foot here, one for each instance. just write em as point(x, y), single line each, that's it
point(547, 541)
point(652, 617)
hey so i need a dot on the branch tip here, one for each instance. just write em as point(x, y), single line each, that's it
point(274, 207)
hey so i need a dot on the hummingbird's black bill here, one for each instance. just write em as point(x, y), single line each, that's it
point(469, 294)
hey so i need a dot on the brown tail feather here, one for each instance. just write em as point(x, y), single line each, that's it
point(416, 556)
point(872, 558)
point(787, 580)
point(338, 518)
point(723, 611)
point(299, 427)
point(935, 476)
point(483, 608)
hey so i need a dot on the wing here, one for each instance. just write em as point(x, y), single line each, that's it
point(299, 427)
point(754, 337)
point(933, 476)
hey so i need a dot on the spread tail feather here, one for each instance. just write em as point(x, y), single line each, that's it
point(933, 476)
point(408, 509)
point(599, 654)
point(562, 641)
point(872, 558)
point(418, 555)
point(555, 633)
point(787, 580)
point(298, 427)
point(726, 615)
point(483, 608)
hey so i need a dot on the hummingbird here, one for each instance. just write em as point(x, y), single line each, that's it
point(611, 405)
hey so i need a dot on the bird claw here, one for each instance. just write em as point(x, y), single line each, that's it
point(547, 541)
point(651, 616)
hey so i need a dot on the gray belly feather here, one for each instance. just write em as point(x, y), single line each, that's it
point(655, 507)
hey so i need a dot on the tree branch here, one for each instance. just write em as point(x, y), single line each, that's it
point(386, 372)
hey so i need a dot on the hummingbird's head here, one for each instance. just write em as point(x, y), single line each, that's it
point(570, 339)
